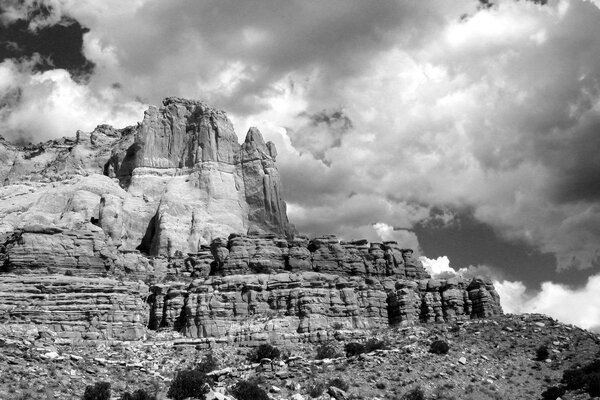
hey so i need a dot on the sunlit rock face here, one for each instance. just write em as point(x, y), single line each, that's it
point(264, 287)
point(171, 184)
point(174, 224)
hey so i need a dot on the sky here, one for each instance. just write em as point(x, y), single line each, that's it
point(468, 130)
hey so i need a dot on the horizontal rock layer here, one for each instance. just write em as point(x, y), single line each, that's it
point(75, 307)
point(85, 220)
point(247, 308)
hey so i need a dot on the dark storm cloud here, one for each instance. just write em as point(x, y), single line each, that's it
point(261, 42)
point(58, 45)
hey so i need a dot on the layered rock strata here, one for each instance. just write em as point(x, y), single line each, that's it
point(264, 287)
point(76, 308)
point(174, 224)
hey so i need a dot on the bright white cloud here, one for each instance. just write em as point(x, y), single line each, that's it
point(437, 266)
point(46, 105)
point(579, 306)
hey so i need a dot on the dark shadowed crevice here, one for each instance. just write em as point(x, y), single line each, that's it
point(146, 244)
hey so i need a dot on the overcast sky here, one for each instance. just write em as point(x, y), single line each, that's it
point(468, 131)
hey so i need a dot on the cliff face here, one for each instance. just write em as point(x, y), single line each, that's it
point(173, 223)
point(266, 288)
point(171, 184)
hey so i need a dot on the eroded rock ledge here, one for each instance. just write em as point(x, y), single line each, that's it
point(265, 288)
point(113, 232)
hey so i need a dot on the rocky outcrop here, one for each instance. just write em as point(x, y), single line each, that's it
point(261, 287)
point(306, 306)
point(76, 308)
point(173, 224)
point(169, 185)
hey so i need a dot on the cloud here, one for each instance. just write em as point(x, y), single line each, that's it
point(44, 105)
point(438, 267)
point(494, 110)
point(579, 306)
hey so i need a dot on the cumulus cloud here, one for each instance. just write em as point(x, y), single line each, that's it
point(579, 306)
point(450, 106)
point(45, 105)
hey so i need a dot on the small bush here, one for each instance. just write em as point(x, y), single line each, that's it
point(327, 350)
point(316, 389)
point(439, 347)
point(337, 326)
point(374, 344)
point(587, 378)
point(263, 351)
point(380, 385)
point(354, 349)
point(188, 383)
point(244, 390)
point(414, 394)
point(139, 394)
point(98, 391)
point(594, 385)
point(542, 353)
point(553, 393)
point(338, 383)
point(208, 364)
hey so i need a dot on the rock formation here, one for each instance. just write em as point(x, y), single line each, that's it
point(173, 224)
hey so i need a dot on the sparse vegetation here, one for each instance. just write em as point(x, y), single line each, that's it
point(139, 394)
point(98, 391)
point(553, 393)
point(439, 347)
point(246, 390)
point(327, 350)
point(542, 353)
point(414, 394)
point(316, 389)
point(336, 326)
point(338, 383)
point(354, 349)
point(188, 383)
point(264, 351)
point(209, 363)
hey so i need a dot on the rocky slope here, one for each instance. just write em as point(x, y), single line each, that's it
point(492, 358)
point(174, 224)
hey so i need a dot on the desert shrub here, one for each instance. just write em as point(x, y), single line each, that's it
point(337, 326)
point(326, 350)
point(414, 394)
point(263, 351)
point(188, 383)
point(338, 383)
point(97, 391)
point(245, 390)
point(139, 394)
point(586, 378)
point(542, 353)
point(553, 393)
point(354, 349)
point(316, 389)
point(380, 385)
point(208, 364)
point(374, 344)
point(594, 385)
point(439, 347)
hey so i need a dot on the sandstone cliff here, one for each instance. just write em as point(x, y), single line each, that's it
point(174, 224)
point(170, 184)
